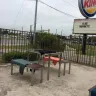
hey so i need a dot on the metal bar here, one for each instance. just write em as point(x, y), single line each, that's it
point(32, 77)
point(64, 69)
point(69, 67)
point(74, 46)
point(8, 40)
point(59, 65)
point(5, 39)
point(70, 50)
point(48, 73)
point(24, 46)
point(41, 75)
point(11, 41)
point(14, 41)
point(89, 57)
point(19, 41)
point(2, 40)
point(80, 51)
point(94, 55)
point(26, 41)
point(22, 40)
point(92, 52)
point(88, 47)
point(11, 68)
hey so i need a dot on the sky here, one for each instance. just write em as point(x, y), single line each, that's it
point(20, 13)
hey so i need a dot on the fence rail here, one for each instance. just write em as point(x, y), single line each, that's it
point(73, 50)
point(17, 40)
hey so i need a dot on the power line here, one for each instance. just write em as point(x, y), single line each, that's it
point(70, 4)
point(57, 9)
point(19, 12)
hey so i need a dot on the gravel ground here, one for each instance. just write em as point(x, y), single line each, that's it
point(75, 84)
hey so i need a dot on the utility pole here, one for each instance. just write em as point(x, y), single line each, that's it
point(31, 28)
point(30, 34)
point(48, 30)
point(41, 28)
point(22, 29)
point(56, 31)
point(35, 20)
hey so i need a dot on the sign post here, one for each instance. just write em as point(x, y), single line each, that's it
point(84, 44)
point(87, 9)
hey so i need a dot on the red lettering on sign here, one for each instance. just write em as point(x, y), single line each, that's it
point(89, 3)
point(86, 3)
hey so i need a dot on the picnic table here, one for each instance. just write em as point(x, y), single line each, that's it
point(25, 63)
point(55, 60)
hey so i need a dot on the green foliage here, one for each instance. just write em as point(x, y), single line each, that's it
point(3, 32)
point(49, 42)
point(13, 33)
point(7, 57)
point(92, 39)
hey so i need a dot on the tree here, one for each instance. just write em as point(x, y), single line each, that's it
point(49, 41)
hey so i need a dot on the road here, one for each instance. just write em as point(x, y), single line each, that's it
point(14, 42)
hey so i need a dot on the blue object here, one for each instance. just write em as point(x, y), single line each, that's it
point(22, 63)
point(93, 92)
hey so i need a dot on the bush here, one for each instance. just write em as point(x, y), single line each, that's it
point(7, 57)
point(49, 41)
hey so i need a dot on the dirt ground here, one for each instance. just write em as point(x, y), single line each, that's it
point(75, 84)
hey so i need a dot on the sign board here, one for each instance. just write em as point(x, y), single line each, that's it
point(87, 7)
point(84, 26)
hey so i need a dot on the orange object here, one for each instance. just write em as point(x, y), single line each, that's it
point(54, 59)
